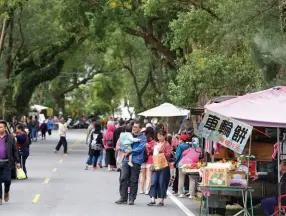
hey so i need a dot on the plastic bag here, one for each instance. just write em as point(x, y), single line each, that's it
point(191, 158)
point(21, 174)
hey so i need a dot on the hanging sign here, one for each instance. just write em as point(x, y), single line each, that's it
point(227, 131)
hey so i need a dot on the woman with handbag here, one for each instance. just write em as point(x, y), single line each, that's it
point(146, 173)
point(160, 170)
point(23, 146)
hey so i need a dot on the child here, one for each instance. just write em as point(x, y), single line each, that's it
point(126, 138)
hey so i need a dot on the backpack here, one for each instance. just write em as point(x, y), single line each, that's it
point(94, 144)
point(109, 142)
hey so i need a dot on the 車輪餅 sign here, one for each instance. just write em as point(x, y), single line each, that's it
point(227, 131)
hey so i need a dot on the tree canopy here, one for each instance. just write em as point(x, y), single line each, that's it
point(91, 54)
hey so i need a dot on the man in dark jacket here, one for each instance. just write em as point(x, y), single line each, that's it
point(8, 157)
point(269, 203)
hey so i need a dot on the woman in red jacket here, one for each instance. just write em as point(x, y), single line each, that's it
point(109, 147)
point(160, 178)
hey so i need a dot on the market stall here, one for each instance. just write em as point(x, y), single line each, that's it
point(260, 109)
point(234, 175)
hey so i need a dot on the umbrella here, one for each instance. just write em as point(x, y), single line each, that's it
point(39, 107)
point(165, 110)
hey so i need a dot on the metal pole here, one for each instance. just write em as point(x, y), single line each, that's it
point(278, 167)
point(247, 184)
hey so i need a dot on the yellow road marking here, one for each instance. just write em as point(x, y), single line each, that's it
point(61, 160)
point(46, 181)
point(55, 169)
point(36, 198)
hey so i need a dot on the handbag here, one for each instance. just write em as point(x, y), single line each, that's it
point(21, 174)
point(160, 161)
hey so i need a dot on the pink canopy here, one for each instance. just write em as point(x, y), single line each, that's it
point(264, 108)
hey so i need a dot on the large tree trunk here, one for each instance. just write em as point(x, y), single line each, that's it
point(8, 104)
point(60, 103)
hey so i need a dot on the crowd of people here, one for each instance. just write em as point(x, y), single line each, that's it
point(15, 141)
point(136, 150)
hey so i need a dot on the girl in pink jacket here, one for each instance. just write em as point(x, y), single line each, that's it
point(109, 148)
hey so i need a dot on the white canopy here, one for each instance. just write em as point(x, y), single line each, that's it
point(165, 110)
point(39, 107)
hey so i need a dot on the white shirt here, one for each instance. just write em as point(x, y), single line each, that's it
point(63, 129)
point(157, 148)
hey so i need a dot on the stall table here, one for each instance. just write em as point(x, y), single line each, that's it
point(244, 193)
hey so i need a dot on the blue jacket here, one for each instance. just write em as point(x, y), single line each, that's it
point(137, 151)
point(179, 152)
point(50, 125)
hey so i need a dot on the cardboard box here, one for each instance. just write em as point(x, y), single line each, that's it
point(215, 177)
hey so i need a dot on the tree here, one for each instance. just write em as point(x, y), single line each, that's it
point(31, 60)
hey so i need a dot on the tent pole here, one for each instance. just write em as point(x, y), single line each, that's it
point(278, 167)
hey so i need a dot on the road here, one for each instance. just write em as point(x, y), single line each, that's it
point(58, 185)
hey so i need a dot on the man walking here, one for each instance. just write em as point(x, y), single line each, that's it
point(63, 127)
point(8, 156)
point(131, 174)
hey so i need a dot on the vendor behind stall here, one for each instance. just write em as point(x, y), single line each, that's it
point(269, 203)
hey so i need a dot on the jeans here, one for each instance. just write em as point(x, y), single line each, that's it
point(34, 134)
point(63, 142)
point(129, 175)
point(23, 160)
point(92, 160)
point(100, 158)
point(159, 183)
point(5, 177)
point(268, 205)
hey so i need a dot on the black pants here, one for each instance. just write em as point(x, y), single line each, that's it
point(5, 177)
point(23, 160)
point(63, 142)
point(129, 175)
point(50, 132)
point(43, 134)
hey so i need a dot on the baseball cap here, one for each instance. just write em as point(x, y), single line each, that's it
point(183, 137)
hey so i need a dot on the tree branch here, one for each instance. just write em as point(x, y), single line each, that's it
point(22, 36)
point(199, 4)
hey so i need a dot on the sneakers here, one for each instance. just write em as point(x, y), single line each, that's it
point(141, 192)
point(86, 167)
point(191, 197)
point(175, 193)
point(121, 202)
point(131, 202)
point(6, 197)
point(182, 196)
point(151, 204)
point(56, 151)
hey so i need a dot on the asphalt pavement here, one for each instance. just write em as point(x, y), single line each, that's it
point(59, 185)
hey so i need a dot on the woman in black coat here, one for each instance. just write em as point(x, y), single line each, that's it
point(95, 146)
